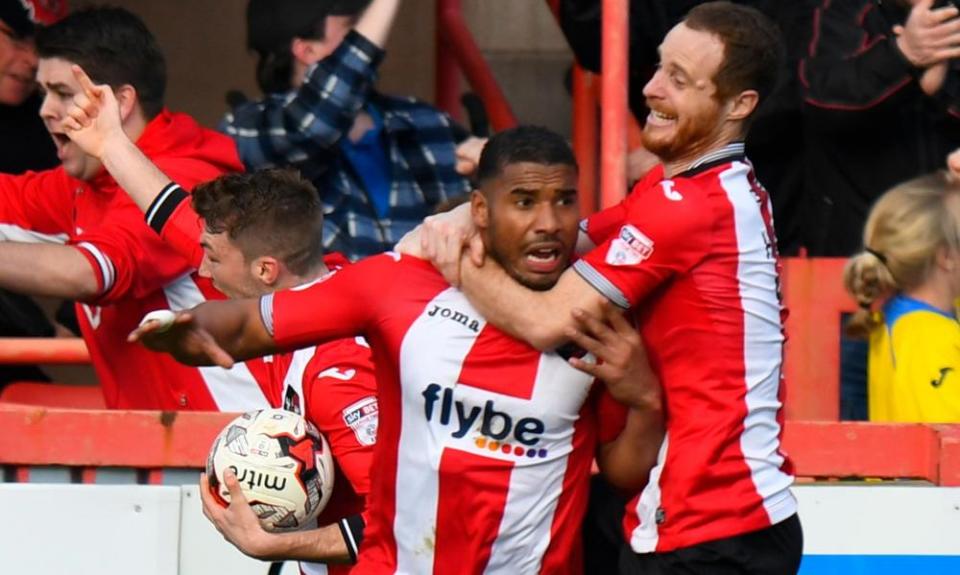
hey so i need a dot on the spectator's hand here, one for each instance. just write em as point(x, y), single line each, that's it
point(238, 523)
point(94, 117)
point(953, 162)
point(182, 338)
point(929, 36)
point(443, 239)
point(622, 362)
point(468, 155)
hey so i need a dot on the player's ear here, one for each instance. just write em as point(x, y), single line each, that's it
point(266, 269)
point(127, 100)
point(479, 209)
point(743, 104)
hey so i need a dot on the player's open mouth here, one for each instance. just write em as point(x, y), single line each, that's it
point(543, 258)
point(660, 118)
point(61, 141)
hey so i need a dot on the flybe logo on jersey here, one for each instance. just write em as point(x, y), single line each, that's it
point(497, 431)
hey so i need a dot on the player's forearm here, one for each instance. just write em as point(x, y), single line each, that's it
point(50, 270)
point(627, 460)
point(541, 318)
point(322, 545)
point(133, 171)
point(237, 327)
point(521, 312)
point(377, 19)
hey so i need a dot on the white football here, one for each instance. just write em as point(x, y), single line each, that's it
point(282, 463)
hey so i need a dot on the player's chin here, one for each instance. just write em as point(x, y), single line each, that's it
point(539, 281)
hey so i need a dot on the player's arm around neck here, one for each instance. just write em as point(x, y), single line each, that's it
point(212, 333)
point(542, 318)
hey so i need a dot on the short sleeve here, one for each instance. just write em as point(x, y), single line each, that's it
point(341, 304)
point(128, 259)
point(341, 391)
point(666, 232)
point(173, 218)
point(601, 225)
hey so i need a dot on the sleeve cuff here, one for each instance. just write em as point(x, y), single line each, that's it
point(164, 205)
point(103, 267)
point(352, 530)
point(601, 284)
point(266, 312)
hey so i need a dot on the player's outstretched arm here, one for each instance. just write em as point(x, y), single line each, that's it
point(46, 269)
point(542, 318)
point(239, 525)
point(95, 125)
point(622, 365)
point(212, 333)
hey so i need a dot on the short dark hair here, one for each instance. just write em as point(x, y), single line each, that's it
point(753, 49)
point(273, 212)
point(534, 144)
point(114, 47)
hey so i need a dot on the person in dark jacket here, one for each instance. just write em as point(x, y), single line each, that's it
point(881, 107)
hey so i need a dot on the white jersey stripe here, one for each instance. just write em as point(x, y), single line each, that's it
point(233, 389)
point(645, 537)
point(535, 487)
point(13, 233)
point(107, 273)
point(421, 441)
point(763, 340)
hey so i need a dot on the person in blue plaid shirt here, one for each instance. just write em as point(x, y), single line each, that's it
point(381, 163)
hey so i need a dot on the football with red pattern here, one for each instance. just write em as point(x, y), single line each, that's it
point(283, 465)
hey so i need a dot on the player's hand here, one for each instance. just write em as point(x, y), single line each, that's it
point(238, 523)
point(443, 239)
point(622, 362)
point(182, 338)
point(93, 119)
point(929, 36)
point(468, 155)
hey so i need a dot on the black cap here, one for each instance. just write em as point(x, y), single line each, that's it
point(273, 24)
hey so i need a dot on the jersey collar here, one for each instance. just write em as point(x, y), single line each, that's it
point(731, 152)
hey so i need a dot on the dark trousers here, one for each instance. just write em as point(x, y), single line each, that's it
point(775, 550)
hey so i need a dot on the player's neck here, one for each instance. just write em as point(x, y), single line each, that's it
point(935, 293)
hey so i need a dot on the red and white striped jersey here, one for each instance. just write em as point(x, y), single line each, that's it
point(135, 271)
point(484, 444)
point(695, 257)
point(332, 384)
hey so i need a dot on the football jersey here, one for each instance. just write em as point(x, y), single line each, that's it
point(912, 368)
point(695, 257)
point(135, 271)
point(332, 384)
point(484, 444)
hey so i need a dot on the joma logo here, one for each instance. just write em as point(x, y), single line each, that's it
point(457, 316)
